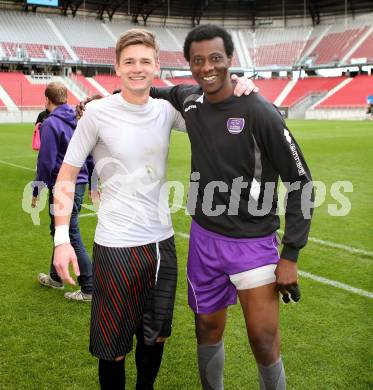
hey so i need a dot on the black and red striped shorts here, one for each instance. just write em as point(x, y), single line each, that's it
point(131, 287)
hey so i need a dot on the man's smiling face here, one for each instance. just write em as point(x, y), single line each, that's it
point(137, 68)
point(209, 65)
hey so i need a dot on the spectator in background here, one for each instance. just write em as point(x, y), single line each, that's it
point(56, 132)
point(42, 116)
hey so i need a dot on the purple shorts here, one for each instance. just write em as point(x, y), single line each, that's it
point(214, 258)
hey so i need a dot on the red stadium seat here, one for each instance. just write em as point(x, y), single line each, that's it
point(365, 50)
point(112, 82)
point(25, 94)
point(96, 55)
point(285, 54)
point(352, 95)
point(305, 87)
point(271, 88)
point(334, 46)
point(91, 90)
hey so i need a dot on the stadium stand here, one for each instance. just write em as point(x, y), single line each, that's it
point(85, 42)
point(271, 47)
point(170, 46)
point(88, 88)
point(182, 80)
point(30, 36)
point(35, 51)
point(83, 32)
point(352, 95)
point(95, 55)
point(111, 82)
point(306, 86)
point(159, 83)
point(89, 41)
point(271, 88)
point(317, 33)
point(25, 94)
point(172, 59)
point(20, 27)
point(365, 50)
point(21, 91)
point(178, 35)
point(336, 43)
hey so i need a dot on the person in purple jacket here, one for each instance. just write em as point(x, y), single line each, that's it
point(56, 133)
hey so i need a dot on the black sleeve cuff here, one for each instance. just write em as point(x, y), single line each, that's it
point(289, 253)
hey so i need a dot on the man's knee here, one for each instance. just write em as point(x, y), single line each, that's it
point(208, 330)
point(265, 345)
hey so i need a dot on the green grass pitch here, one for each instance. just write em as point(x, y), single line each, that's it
point(326, 338)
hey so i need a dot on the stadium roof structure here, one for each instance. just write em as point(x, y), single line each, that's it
point(257, 11)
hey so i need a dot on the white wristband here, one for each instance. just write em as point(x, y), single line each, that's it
point(61, 235)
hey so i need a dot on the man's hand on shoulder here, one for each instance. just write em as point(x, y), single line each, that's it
point(80, 108)
point(244, 85)
point(287, 280)
point(64, 255)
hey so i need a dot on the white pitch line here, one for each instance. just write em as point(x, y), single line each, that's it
point(183, 235)
point(87, 215)
point(17, 166)
point(334, 283)
point(341, 246)
point(20, 156)
point(338, 246)
point(319, 279)
point(329, 244)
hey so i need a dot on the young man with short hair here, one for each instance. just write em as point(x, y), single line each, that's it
point(240, 147)
point(135, 268)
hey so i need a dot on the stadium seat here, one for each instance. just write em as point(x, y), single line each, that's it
point(89, 89)
point(271, 88)
point(306, 86)
point(25, 94)
point(96, 55)
point(112, 82)
point(335, 45)
point(352, 95)
point(182, 80)
point(365, 50)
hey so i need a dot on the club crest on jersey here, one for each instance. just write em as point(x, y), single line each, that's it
point(235, 125)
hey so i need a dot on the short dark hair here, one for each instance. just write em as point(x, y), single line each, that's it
point(207, 32)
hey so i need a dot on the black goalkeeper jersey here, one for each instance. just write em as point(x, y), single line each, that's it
point(240, 147)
